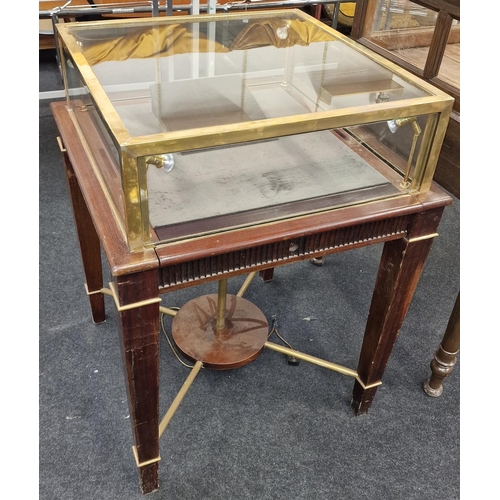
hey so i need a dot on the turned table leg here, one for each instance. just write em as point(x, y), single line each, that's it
point(138, 307)
point(445, 357)
point(90, 247)
point(400, 268)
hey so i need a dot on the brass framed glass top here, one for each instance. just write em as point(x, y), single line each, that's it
point(200, 124)
point(155, 76)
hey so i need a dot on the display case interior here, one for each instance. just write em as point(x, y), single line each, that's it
point(212, 123)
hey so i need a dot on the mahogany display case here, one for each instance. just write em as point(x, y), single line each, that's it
point(206, 147)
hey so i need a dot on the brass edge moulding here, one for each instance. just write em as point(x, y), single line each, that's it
point(134, 305)
point(304, 231)
point(147, 462)
point(135, 192)
point(62, 61)
point(60, 144)
point(440, 125)
point(424, 160)
point(219, 135)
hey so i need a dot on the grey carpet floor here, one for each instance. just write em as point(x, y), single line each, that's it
point(269, 430)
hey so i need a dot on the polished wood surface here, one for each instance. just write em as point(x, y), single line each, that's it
point(406, 226)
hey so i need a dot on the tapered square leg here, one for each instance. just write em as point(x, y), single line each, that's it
point(90, 247)
point(139, 315)
point(399, 271)
point(362, 397)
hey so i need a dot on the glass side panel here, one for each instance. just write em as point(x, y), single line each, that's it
point(171, 77)
point(220, 188)
point(94, 135)
point(199, 124)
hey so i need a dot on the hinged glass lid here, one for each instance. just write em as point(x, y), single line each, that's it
point(168, 76)
point(211, 123)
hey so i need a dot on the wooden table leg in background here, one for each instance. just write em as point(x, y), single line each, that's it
point(445, 357)
point(139, 314)
point(90, 247)
point(400, 268)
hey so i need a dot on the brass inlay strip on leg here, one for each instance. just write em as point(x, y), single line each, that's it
point(141, 303)
point(421, 238)
point(61, 146)
point(147, 462)
point(113, 293)
point(246, 284)
point(180, 396)
point(369, 386)
point(312, 359)
point(105, 291)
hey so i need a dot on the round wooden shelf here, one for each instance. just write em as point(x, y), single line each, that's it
point(239, 342)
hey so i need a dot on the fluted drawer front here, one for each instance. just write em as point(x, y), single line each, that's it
point(281, 252)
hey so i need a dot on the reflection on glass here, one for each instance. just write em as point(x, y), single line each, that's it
point(174, 77)
point(393, 127)
point(404, 28)
point(402, 14)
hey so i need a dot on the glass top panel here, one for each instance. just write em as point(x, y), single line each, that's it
point(171, 76)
